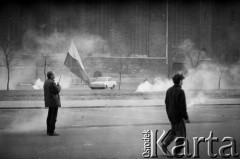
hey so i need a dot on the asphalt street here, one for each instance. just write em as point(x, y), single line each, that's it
point(107, 132)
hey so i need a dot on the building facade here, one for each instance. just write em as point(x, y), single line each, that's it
point(147, 37)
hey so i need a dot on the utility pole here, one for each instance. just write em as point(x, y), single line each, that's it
point(166, 42)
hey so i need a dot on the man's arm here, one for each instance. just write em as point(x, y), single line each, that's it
point(55, 89)
point(167, 98)
point(182, 105)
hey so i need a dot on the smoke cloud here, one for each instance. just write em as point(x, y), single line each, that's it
point(159, 84)
point(65, 82)
point(54, 48)
point(38, 84)
point(36, 120)
point(200, 74)
point(87, 44)
point(27, 123)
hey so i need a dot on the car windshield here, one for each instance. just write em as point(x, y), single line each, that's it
point(101, 79)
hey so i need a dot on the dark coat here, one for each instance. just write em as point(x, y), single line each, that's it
point(176, 104)
point(51, 94)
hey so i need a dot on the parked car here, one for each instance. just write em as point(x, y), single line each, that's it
point(103, 83)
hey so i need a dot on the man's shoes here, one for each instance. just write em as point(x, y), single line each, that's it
point(53, 134)
point(165, 150)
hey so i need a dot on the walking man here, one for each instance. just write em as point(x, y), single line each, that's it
point(52, 101)
point(177, 114)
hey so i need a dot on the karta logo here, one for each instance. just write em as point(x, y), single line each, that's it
point(152, 143)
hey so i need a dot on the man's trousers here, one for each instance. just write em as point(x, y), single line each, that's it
point(51, 119)
point(177, 130)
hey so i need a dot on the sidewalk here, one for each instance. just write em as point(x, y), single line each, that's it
point(108, 103)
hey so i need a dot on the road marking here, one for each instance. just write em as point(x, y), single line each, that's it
point(220, 115)
point(23, 118)
point(8, 116)
point(160, 111)
point(116, 125)
point(137, 124)
point(115, 116)
point(211, 114)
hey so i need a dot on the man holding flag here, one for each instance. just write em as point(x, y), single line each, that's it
point(52, 101)
point(74, 63)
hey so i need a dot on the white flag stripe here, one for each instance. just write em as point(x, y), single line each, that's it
point(74, 53)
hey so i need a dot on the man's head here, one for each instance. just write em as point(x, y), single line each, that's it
point(177, 78)
point(51, 75)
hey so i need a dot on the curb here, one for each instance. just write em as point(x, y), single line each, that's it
point(110, 103)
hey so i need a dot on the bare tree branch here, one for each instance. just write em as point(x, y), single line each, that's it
point(198, 58)
point(8, 53)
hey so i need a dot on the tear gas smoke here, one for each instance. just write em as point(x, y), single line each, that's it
point(65, 82)
point(199, 77)
point(87, 44)
point(38, 84)
point(91, 45)
point(27, 123)
point(40, 46)
point(36, 120)
point(160, 84)
point(199, 99)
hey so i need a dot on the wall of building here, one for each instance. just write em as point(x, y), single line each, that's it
point(128, 28)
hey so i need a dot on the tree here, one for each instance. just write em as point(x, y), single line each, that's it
point(192, 55)
point(221, 70)
point(225, 60)
point(120, 74)
point(45, 53)
point(97, 74)
point(7, 49)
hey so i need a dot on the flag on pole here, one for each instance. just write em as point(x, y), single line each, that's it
point(74, 63)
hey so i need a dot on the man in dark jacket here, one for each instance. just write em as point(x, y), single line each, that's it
point(52, 101)
point(177, 114)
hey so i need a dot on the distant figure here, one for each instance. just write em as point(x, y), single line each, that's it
point(177, 114)
point(52, 101)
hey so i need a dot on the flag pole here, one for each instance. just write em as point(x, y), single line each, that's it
point(59, 79)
